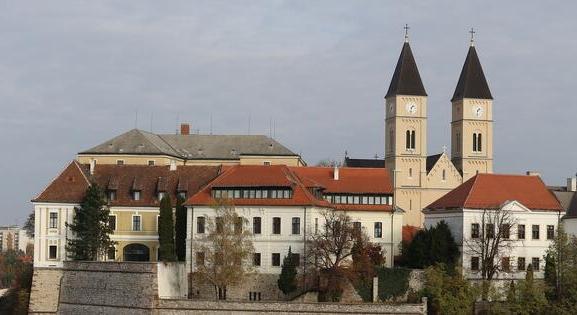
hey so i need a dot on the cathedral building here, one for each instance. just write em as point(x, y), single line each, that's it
point(419, 178)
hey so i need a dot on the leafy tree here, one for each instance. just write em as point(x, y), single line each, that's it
point(561, 278)
point(166, 231)
point(90, 227)
point(329, 163)
point(287, 279)
point(180, 229)
point(223, 252)
point(448, 291)
point(431, 246)
point(29, 225)
point(531, 295)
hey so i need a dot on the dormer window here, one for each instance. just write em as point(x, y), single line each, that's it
point(182, 194)
point(111, 195)
point(161, 195)
point(136, 195)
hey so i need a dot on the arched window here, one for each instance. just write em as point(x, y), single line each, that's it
point(410, 139)
point(477, 142)
point(410, 173)
point(444, 175)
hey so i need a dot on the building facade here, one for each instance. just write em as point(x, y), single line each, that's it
point(14, 237)
point(531, 218)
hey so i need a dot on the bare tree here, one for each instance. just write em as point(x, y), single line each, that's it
point(491, 242)
point(222, 254)
point(329, 249)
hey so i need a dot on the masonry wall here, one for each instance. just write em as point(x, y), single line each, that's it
point(108, 288)
point(45, 291)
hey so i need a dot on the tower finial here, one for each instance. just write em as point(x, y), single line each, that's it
point(406, 33)
point(472, 32)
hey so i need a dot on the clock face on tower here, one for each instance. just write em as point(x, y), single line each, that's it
point(478, 111)
point(411, 108)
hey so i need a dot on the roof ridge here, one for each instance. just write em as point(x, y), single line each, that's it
point(165, 142)
point(470, 192)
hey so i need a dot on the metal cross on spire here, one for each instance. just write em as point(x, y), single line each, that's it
point(472, 32)
point(406, 33)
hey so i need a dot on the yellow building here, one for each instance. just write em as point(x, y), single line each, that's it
point(419, 178)
point(138, 147)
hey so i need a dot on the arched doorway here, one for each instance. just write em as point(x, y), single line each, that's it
point(136, 252)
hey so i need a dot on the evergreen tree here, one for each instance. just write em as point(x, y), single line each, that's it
point(180, 229)
point(432, 246)
point(166, 231)
point(511, 293)
point(551, 276)
point(287, 278)
point(90, 227)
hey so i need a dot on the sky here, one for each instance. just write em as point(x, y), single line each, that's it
point(74, 73)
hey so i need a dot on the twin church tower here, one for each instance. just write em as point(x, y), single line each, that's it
point(420, 179)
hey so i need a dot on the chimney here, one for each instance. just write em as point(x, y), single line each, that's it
point(172, 165)
point(92, 166)
point(572, 184)
point(533, 173)
point(336, 173)
point(184, 129)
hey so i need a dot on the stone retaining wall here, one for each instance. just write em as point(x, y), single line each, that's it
point(108, 288)
point(45, 291)
point(179, 307)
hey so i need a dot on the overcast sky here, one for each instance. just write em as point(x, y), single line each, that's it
point(73, 74)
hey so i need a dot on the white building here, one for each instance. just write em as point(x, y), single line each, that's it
point(13, 237)
point(284, 205)
point(535, 212)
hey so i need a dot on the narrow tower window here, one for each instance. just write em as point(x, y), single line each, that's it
point(410, 139)
point(479, 145)
point(474, 142)
point(477, 142)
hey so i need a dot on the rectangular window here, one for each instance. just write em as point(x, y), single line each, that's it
point(53, 220)
point(475, 263)
point(276, 225)
point(356, 200)
point(256, 225)
point(112, 222)
point(505, 264)
point(119, 162)
point(296, 226)
point(287, 194)
point(182, 195)
point(535, 232)
point(136, 195)
point(378, 229)
point(111, 253)
point(316, 225)
point(535, 263)
point(521, 231)
point(161, 195)
point(267, 163)
point(275, 259)
point(52, 252)
point(200, 224)
point(200, 258)
point(475, 230)
point(150, 162)
point(136, 223)
point(520, 263)
point(550, 232)
point(490, 230)
point(112, 195)
point(506, 231)
point(256, 259)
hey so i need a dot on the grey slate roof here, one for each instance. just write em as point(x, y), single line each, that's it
point(472, 82)
point(190, 147)
point(371, 163)
point(406, 78)
point(431, 161)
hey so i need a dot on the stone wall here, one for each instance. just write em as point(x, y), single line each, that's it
point(265, 284)
point(45, 291)
point(108, 288)
point(178, 307)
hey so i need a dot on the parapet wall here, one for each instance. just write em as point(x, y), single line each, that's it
point(108, 288)
point(45, 291)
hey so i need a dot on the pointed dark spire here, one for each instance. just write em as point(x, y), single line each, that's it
point(472, 82)
point(406, 79)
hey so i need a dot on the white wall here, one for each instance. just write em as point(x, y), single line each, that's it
point(172, 280)
point(268, 243)
point(460, 224)
point(45, 236)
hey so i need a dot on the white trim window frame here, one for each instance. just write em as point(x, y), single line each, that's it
point(50, 218)
point(139, 222)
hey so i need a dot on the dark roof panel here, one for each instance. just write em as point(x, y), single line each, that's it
point(406, 79)
point(472, 82)
point(371, 163)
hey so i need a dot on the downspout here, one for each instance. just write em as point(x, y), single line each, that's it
point(305, 250)
point(392, 237)
point(189, 280)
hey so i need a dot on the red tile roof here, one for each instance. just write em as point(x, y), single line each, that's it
point(301, 180)
point(71, 185)
point(351, 179)
point(491, 191)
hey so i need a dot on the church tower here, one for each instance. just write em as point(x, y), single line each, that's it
point(472, 121)
point(406, 135)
